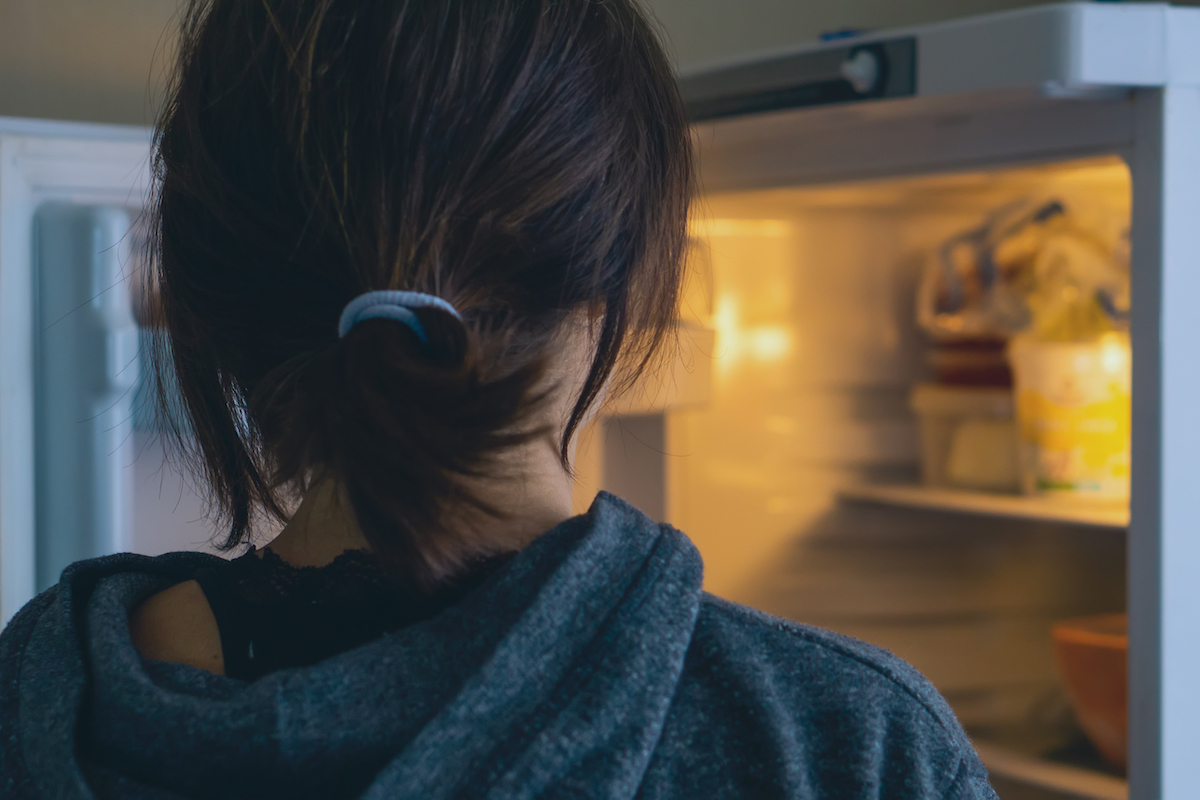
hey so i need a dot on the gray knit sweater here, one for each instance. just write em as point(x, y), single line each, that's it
point(592, 665)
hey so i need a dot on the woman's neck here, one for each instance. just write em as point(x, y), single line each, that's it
point(531, 490)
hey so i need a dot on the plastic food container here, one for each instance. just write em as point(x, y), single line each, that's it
point(971, 362)
point(1092, 655)
point(968, 437)
point(1073, 415)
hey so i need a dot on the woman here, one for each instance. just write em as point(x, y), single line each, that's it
point(400, 248)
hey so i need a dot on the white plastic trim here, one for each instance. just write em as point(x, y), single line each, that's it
point(42, 161)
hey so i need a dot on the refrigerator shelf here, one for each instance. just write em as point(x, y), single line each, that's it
point(1044, 509)
point(1061, 778)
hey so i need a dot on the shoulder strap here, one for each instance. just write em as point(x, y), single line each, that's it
point(231, 614)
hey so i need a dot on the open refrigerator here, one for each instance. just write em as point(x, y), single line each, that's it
point(781, 438)
point(784, 441)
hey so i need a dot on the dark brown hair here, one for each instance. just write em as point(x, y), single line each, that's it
point(525, 160)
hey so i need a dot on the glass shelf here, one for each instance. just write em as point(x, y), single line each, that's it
point(1084, 782)
point(1094, 514)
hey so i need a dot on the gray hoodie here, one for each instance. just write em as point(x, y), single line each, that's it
point(592, 665)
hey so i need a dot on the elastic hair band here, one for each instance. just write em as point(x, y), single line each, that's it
point(392, 305)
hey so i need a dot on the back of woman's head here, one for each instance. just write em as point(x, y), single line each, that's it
point(525, 160)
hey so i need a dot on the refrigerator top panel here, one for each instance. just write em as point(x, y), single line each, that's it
point(63, 129)
point(1049, 83)
point(1066, 48)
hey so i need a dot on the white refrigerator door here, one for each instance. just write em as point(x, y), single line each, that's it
point(86, 367)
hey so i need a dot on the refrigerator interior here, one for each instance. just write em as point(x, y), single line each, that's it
point(811, 293)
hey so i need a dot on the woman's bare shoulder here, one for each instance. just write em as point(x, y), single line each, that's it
point(177, 625)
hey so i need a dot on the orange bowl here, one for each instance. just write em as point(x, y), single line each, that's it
point(1092, 655)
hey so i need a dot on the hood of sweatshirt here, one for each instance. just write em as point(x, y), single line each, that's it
point(552, 679)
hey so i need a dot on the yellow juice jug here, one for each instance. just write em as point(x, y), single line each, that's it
point(1073, 415)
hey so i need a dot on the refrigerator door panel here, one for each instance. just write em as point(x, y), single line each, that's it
point(86, 368)
point(49, 162)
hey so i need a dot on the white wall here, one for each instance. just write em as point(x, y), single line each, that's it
point(101, 60)
point(83, 59)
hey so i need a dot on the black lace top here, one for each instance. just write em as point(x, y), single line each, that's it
point(272, 615)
